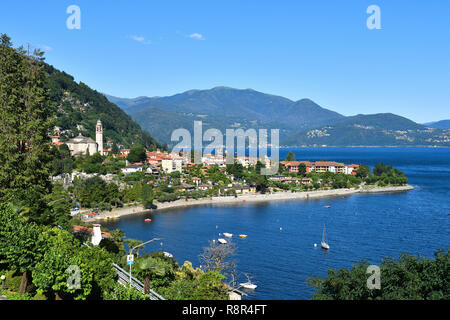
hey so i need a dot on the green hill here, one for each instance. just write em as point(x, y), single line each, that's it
point(80, 107)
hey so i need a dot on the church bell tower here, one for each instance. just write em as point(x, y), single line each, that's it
point(99, 137)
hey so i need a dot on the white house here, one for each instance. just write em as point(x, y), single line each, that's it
point(132, 168)
point(171, 165)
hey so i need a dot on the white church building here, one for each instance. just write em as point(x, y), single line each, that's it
point(80, 145)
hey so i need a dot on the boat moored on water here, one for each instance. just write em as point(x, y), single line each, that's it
point(324, 243)
point(222, 241)
point(228, 235)
point(248, 285)
point(243, 236)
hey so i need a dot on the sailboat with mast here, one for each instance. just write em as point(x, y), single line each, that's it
point(324, 243)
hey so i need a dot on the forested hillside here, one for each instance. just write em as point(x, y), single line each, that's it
point(78, 107)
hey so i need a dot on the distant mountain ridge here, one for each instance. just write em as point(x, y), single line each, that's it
point(382, 129)
point(301, 122)
point(241, 103)
point(442, 124)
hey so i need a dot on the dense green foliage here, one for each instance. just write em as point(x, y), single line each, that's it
point(386, 175)
point(24, 125)
point(194, 284)
point(409, 278)
point(45, 253)
point(95, 191)
point(137, 154)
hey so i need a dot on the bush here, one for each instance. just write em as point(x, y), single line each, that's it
point(13, 280)
point(39, 296)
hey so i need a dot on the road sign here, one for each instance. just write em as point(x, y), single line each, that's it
point(130, 259)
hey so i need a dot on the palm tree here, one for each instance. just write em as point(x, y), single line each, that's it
point(149, 266)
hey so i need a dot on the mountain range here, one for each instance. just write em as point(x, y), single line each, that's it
point(301, 123)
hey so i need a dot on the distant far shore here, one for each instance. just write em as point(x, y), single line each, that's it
point(182, 203)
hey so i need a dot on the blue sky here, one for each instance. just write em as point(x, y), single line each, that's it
point(320, 50)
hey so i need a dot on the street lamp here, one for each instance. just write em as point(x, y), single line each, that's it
point(140, 245)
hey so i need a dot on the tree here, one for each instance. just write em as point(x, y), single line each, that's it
point(104, 274)
point(380, 169)
point(290, 156)
point(218, 257)
point(115, 149)
point(302, 169)
point(363, 171)
point(155, 270)
point(236, 169)
point(147, 196)
point(137, 154)
point(20, 244)
point(24, 125)
point(194, 284)
point(408, 278)
point(50, 275)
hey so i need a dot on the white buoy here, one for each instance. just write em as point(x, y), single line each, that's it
point(315, 244)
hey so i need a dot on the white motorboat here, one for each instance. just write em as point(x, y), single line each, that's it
point(228, 235)
point(222, 241)
point(248, 285)
point(167, 254)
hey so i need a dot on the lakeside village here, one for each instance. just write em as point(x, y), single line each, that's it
point(46, 253)
point(102, 179)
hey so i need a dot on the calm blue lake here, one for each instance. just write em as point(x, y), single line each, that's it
point(358, 226)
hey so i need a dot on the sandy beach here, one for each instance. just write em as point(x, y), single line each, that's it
point(120, 212)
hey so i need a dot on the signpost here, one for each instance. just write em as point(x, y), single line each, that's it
point(130, 256)
point(130, 261)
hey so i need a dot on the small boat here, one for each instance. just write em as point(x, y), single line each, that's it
point(248, 285)
point(148, 220)
point(228, 235)
point(168, 255)
point(324, 243)
point(222, 241)
point(327, 207)
point(243, 235)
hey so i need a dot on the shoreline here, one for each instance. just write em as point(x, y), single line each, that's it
point(120, 212)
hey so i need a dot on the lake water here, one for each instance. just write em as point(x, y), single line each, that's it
point(360, 226)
